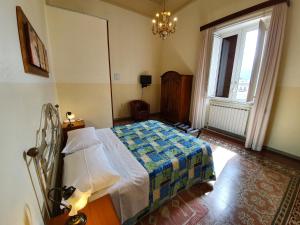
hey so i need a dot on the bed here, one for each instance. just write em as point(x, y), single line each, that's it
point(154, 162)
point(163, 161)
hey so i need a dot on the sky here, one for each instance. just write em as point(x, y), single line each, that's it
point(248, 56)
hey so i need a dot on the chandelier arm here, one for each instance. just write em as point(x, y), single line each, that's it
point(163, 24)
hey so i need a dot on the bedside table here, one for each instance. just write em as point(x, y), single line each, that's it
point(98, 212)
point(75, 125)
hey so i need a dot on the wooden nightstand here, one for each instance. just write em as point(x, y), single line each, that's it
point(98, 212)
point(75, 125)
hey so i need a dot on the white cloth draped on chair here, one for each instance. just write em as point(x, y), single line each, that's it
point(201, 81)
point(260, 114)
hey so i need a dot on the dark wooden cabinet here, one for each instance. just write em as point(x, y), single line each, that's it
point(176, 92)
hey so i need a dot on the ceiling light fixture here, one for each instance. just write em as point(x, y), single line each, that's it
point(163, 23)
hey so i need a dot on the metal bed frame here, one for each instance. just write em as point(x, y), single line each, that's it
point(47, 159)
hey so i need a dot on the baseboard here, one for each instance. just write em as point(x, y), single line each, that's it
point(226, 133)
point(280, 152)
point(224, 136)
point(242, 141)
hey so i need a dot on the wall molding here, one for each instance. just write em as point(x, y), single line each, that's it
point(280, 152)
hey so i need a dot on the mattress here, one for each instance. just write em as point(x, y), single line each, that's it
point(130, 195)
point(173, 160)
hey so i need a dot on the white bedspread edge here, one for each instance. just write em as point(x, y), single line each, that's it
point(131, 194)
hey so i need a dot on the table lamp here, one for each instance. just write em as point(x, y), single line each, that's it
point(70, 116)
point(73, 201)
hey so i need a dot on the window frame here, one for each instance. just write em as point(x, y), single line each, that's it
point(238, 57)
point(241, 28)
point(260, 49)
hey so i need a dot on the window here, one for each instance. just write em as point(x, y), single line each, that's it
point(226, 66)
point(235, 61)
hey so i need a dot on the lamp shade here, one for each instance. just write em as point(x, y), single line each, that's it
point(78, 201)
point(70, 115)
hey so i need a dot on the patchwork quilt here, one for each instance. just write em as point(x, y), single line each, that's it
point(174, 160)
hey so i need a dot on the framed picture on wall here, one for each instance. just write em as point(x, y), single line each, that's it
point(46, 60)
point(34, 48)
point(34, 53)
point(41, 54)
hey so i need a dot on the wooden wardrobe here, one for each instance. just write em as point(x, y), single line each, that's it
point(176, 91)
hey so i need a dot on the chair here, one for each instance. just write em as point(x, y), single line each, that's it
point(140, 110)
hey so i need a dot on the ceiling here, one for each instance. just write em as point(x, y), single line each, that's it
point(149, 7)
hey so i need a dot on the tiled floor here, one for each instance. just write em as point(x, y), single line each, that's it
point(250, 187)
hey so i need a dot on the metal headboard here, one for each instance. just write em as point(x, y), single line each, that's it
point(47, 158)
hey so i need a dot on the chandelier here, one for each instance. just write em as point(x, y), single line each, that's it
point(163, 23)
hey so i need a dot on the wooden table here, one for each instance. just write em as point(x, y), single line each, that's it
point(98, 212)
point(74, 125)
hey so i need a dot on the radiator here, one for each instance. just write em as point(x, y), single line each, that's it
point(229, 116)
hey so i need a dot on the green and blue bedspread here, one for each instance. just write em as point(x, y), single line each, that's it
point(174, 160)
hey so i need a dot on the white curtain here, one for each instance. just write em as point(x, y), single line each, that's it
point(201, 81)
point(261, 110)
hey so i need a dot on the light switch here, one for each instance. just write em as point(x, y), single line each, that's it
point(117, 76)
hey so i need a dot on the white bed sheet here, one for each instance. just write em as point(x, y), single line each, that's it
point(130, 194)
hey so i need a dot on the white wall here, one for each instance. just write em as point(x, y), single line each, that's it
point(81, 65)
point(21, 98)
point(133, 49)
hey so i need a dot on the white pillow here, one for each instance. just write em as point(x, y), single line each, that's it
point(89, 169)
point(81, 139)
